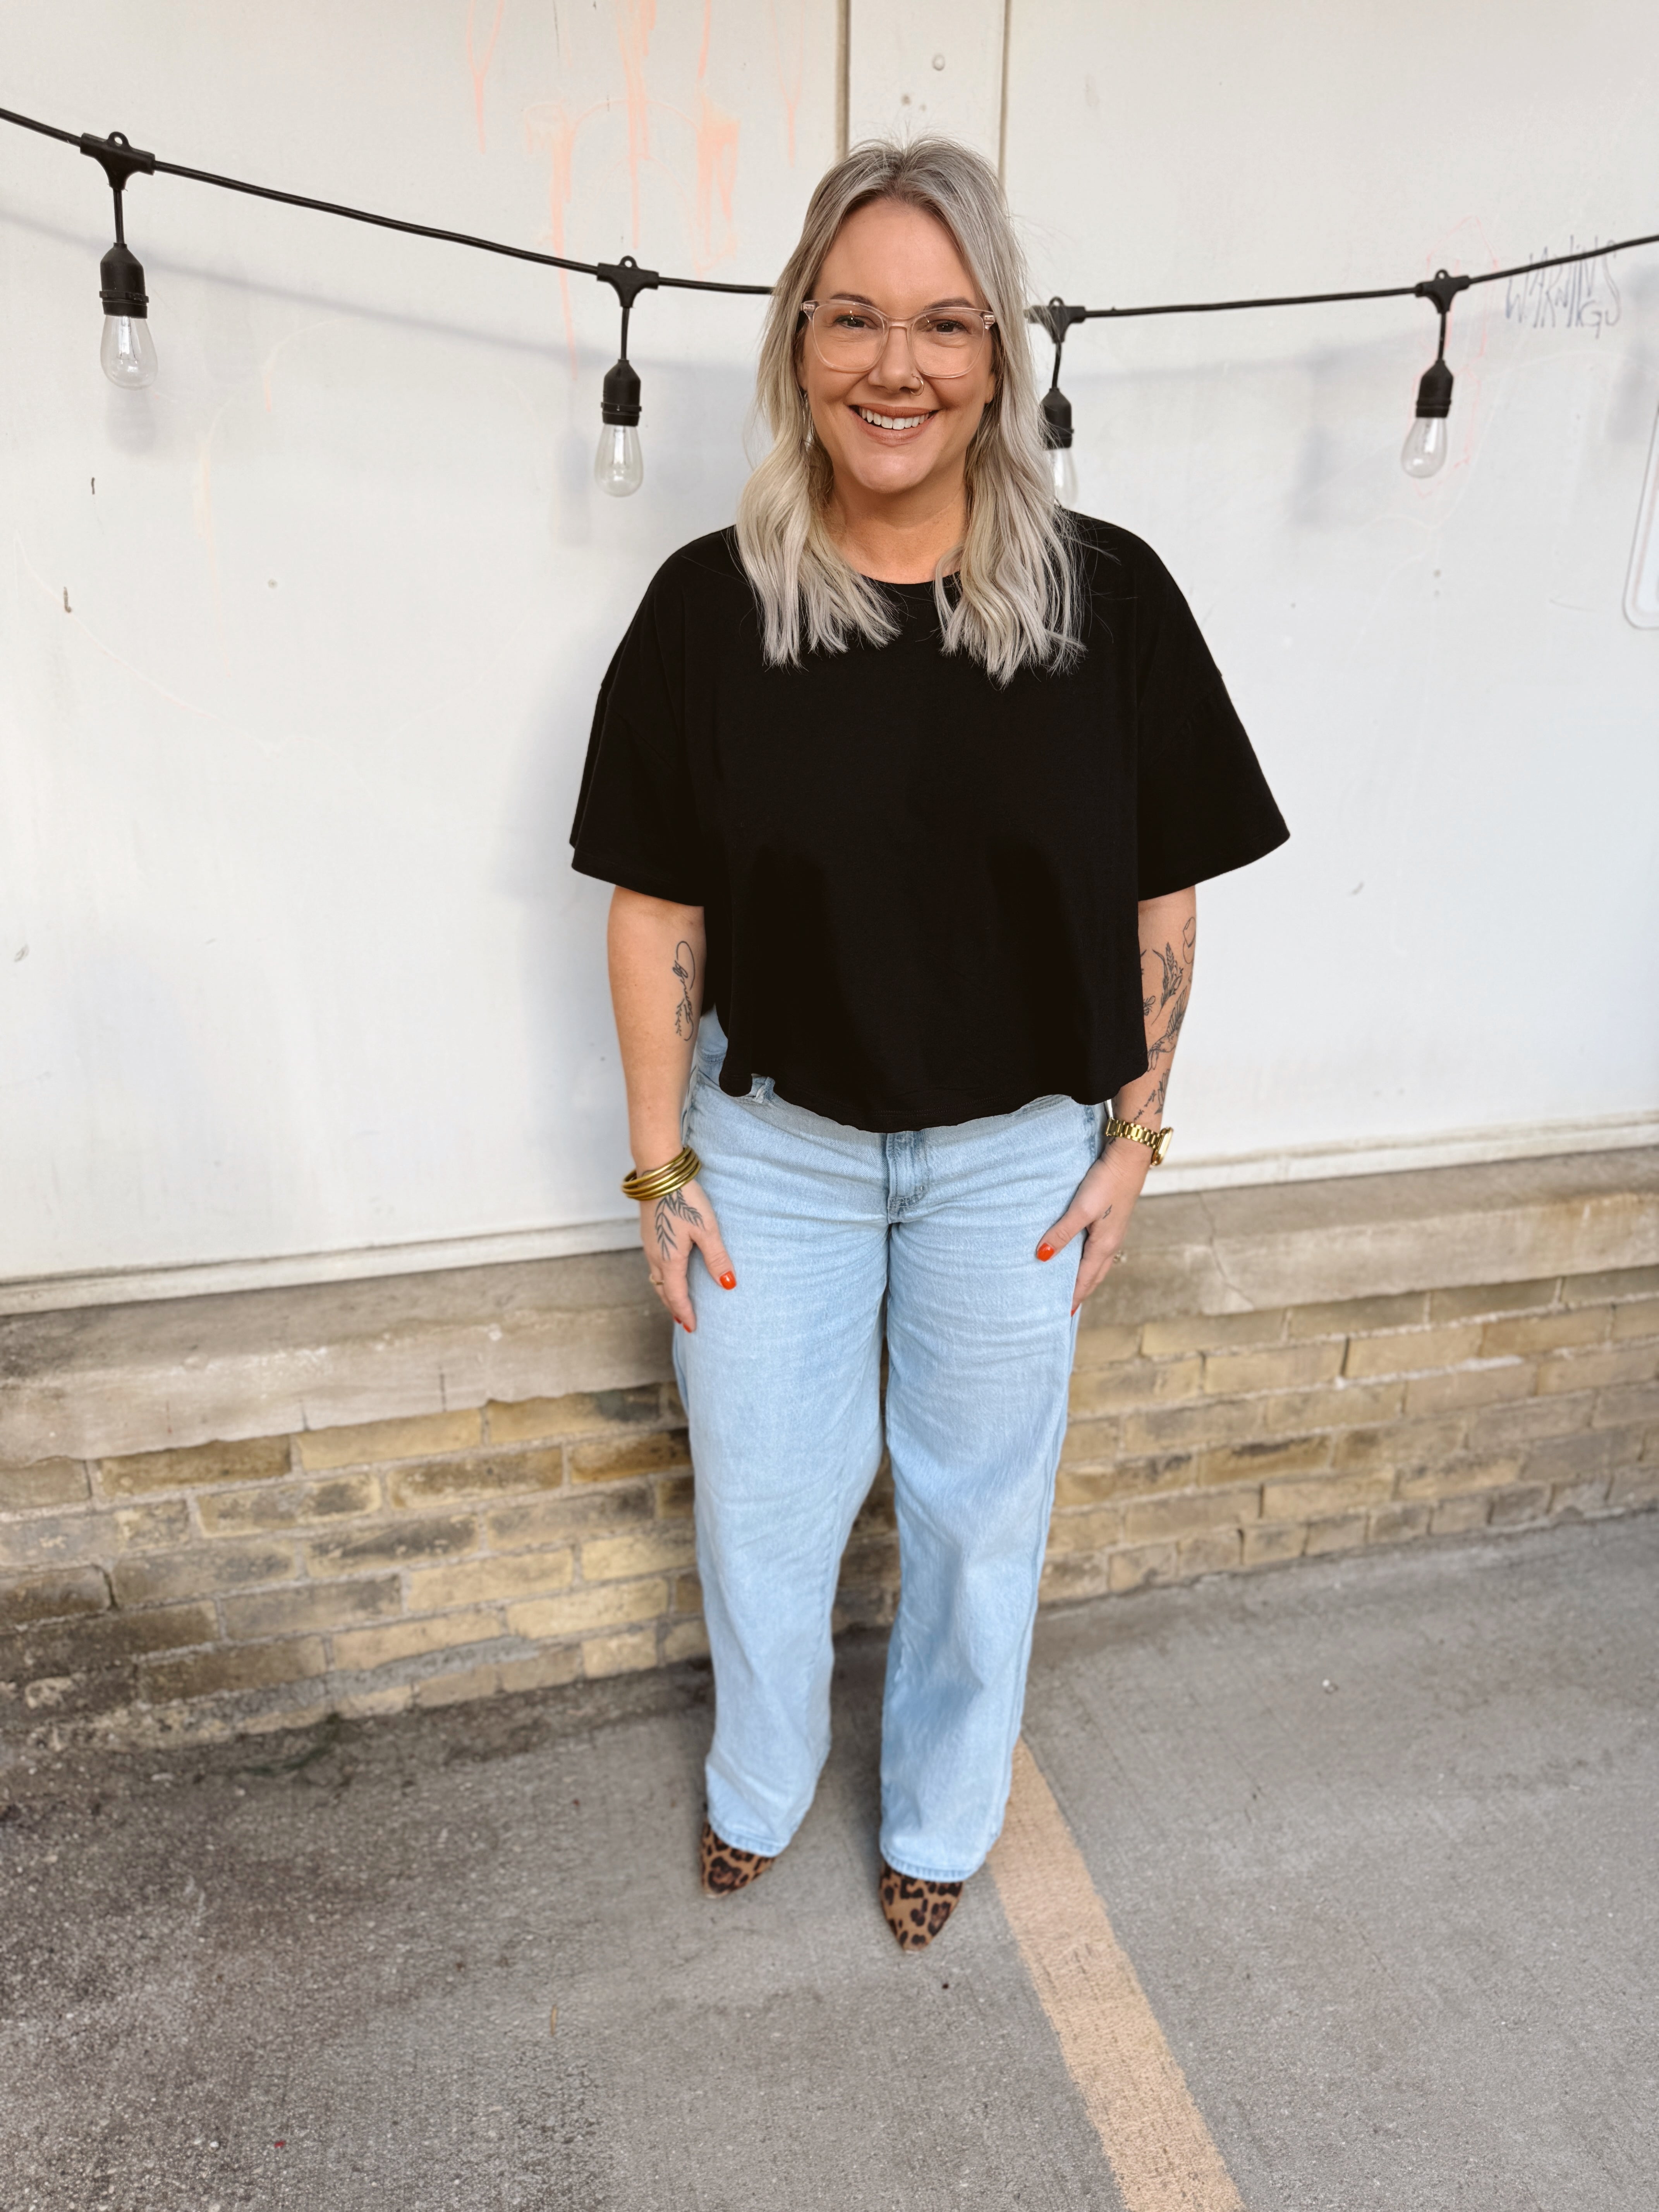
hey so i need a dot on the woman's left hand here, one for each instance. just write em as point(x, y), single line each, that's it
point(1100, 1213)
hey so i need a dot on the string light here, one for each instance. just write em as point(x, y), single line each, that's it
point(128, 352)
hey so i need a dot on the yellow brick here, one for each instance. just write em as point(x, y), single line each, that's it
point(1354, 1316)
point(286, 1505)
point(1325, 1494)
point(545, 1670)
point(209, 1674)
point(1090, 1443)
point(369, 1704)
point(583, 1414)
point(1134, 1383)
point(1265, 1543)
point(1638, 1319)
point(1470, 1386)
point(688, 1594)
point(1216, 1551)
point(1269, 1455)
point(1122, 1479)
point(619, 1654)
point(1626, 1402)
point(1204, 1421)
point(1514, 1508)
point(609, 1559)
point(1146, 1563)
point(676, 1495)
point(1577, 1497)
point(1074, 1575)
point(1561, 1371)
point(1393, 1522)
point(1278, 1367)
point(43, 1482)
point(1339, 1534)
point(202, 1572)
point(687, 1639)
point(1465, 1300)
point(1100, 1344)
point(655, 1454)
point(1462, 1472)
point(1547, 1331)
point(476, 1475)
point(1088, 1530)
point(602, 1604)
point(1456, 1516)
point(1637, 1486)
point(1340, 1405)
point(1149, 1519)
point(481, 1582)
point(357, 1649)
point(1161, 1340)
point(1409, 1351)
point(548, 1521)
point(1615, 1282)
point(308, 1607)
point(372, 1441)
point(1397, 1443)
point(257, 1459)
point(64, 1593)
point(458, 1689)
point(412, 1541)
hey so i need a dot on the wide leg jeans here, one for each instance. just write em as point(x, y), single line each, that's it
point(830, 1229)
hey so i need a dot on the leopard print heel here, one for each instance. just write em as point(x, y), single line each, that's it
point(724, 1868)
point(916, 1911)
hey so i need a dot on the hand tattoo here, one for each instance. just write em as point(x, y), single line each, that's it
point(685, 967)
point(674, 1207)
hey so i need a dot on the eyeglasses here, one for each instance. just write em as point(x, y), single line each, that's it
point(850, 338)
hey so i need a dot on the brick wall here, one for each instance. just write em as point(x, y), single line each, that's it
point(360, 1569)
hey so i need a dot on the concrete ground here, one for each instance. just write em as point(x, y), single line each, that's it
point(1379, 1833)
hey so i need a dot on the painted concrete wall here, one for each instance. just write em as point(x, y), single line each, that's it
point(299, 649)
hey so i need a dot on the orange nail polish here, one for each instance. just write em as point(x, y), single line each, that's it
point(728, 1281)
point(1045, 1251)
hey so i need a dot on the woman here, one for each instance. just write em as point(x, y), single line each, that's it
point(904, 786)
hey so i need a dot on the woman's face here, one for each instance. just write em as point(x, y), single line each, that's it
point(904, 261)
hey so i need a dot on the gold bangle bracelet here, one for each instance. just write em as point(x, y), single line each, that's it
point(661, 1183)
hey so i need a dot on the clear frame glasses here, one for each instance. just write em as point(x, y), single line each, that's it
point(850, 337)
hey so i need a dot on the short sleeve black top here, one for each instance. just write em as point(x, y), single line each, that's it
point(920, 887)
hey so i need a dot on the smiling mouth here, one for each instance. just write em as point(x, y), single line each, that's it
point(879, 421)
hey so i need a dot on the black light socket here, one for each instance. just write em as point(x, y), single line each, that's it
point(1056, 420)
point(619, 401)
point(1434, 393)
point(121, 283)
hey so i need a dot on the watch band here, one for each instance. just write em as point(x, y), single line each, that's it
point(1156, 1141)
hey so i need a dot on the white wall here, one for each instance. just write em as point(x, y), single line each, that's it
point(295, 699)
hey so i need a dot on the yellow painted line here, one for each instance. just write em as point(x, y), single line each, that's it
point(1134, 2092)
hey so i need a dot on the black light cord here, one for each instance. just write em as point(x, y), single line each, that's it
point(381, 222)
point(711, 284)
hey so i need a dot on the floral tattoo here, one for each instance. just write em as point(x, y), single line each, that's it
point(674, 1207)
point(685, 967)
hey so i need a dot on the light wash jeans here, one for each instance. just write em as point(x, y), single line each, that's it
point(780, 1380)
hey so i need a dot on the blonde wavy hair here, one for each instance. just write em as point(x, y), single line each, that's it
point(1015, 596)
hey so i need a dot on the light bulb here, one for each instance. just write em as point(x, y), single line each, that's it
point(1423, 453)
point(128, 352)
point(619, 465)
point(1064, 471)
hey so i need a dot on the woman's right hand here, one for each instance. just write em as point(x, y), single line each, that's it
point(670, 1229)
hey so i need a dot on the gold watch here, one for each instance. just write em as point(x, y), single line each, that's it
point(1156, 1141)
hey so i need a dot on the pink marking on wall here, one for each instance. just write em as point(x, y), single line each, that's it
point(717, 171)
point(789, 57)
point(480, 69)
point(550, 126)
point(635, 20)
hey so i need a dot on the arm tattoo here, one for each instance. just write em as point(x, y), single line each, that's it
point(685, 967)
point(1173, 989)
point(670, 1210)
